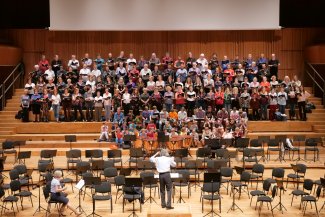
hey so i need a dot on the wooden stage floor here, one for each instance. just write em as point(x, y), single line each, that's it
point(192, 205)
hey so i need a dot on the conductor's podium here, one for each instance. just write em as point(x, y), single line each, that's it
point(180, 210)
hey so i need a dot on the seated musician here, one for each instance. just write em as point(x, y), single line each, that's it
point(206, 134)
point(196, 140)
point(58, 194)
point(119, 134)
point(104, 132)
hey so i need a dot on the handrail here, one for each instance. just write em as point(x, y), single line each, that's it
point(317, 80)
point(314, 70)
point(5, 88)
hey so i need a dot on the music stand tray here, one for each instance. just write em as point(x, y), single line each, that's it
point(212, 179)
point(70, 139)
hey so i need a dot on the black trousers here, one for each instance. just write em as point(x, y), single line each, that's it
point(165, 184)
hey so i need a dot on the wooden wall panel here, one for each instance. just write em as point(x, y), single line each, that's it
point(288, 44)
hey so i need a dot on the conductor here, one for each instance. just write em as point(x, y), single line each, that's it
point(163, 164)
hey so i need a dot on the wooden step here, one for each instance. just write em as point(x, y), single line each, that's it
point(12, 108)
point(13, 129)
point(290, 134)
point(49, 137)
point(279, 126)
point(6, 133)
point(13, 113)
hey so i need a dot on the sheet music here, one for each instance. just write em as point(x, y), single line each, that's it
point(172, 175)
point(80, 184)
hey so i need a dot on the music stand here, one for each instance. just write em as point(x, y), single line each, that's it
point(125, 172)
point(181, 153)
point(263, 140)
point(79, 186)
point(214, 179)
point(23, 155)
point(133, 183)
point(144, 165)
point(19, 144)
point(70, 139)
point(299, 138)
point(226, 142)
point(280, 206)
point(92, 181)
point(129, 138)
point(217, 164)
point(281, 139)
point(149, 181)
point(40, 208)
point(213, 144)
point(230, 155)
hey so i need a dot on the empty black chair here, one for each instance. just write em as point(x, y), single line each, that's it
point(103, 192)
point(94, 154)
point(81, 168)
point(203, 154)
point(115, 156)
point(266, 188)
point(300, 171)
point(277, 173)
point(44, 168)
point(273, 146)
point(257, 173)
point(311, 146)
point(258, 148)
point(249, 156)
point(242, 183)
point(11, 199)
point(47, 156)
point(15, 188)
point(8, 147)
point(98, 166)
point(193, 167)
point(109, 174)
point(226, 176)
point(307, 188)
point(212, 190)
point(119, 183)
point(73, 157)
point(150, 182)
point(222, 153)
point(14, 175)
point(266, 199)
point(311, 199)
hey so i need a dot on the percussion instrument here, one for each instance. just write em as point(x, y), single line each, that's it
point(150, 145)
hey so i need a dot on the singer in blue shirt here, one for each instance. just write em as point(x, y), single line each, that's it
point(99, 62)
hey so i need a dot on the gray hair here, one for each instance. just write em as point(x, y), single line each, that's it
point(164, 152)
point(57, 174)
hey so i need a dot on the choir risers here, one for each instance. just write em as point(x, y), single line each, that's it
point(278, 126)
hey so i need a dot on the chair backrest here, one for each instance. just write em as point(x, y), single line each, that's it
point(8, 145)
point(245, 176)
point(273, 143)
point(185, 176)
point(222, 153)
point(43, 167)
point(203, 152)
point(15, 185)
point(119, 180)
point(267, 184)
point(87, 174)
point(21, 168)
point(302, 168)
point(312, 142)
point(191, 164)
point(94, 153)
point(97, 164)
point(110, 172)
point(73, 153)
point(48, 153)
point(211, 187)
point(308, 184)
point(108, 163)
point(278, 172)
point(13, 174)
point(258, 168)
point(104, 187)
point(248, 152)
point(255, 143)
point(114, 153)
point(318, 191)
point(83, 166)
point(226, 172)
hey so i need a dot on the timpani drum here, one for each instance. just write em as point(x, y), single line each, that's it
point(150, 145)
